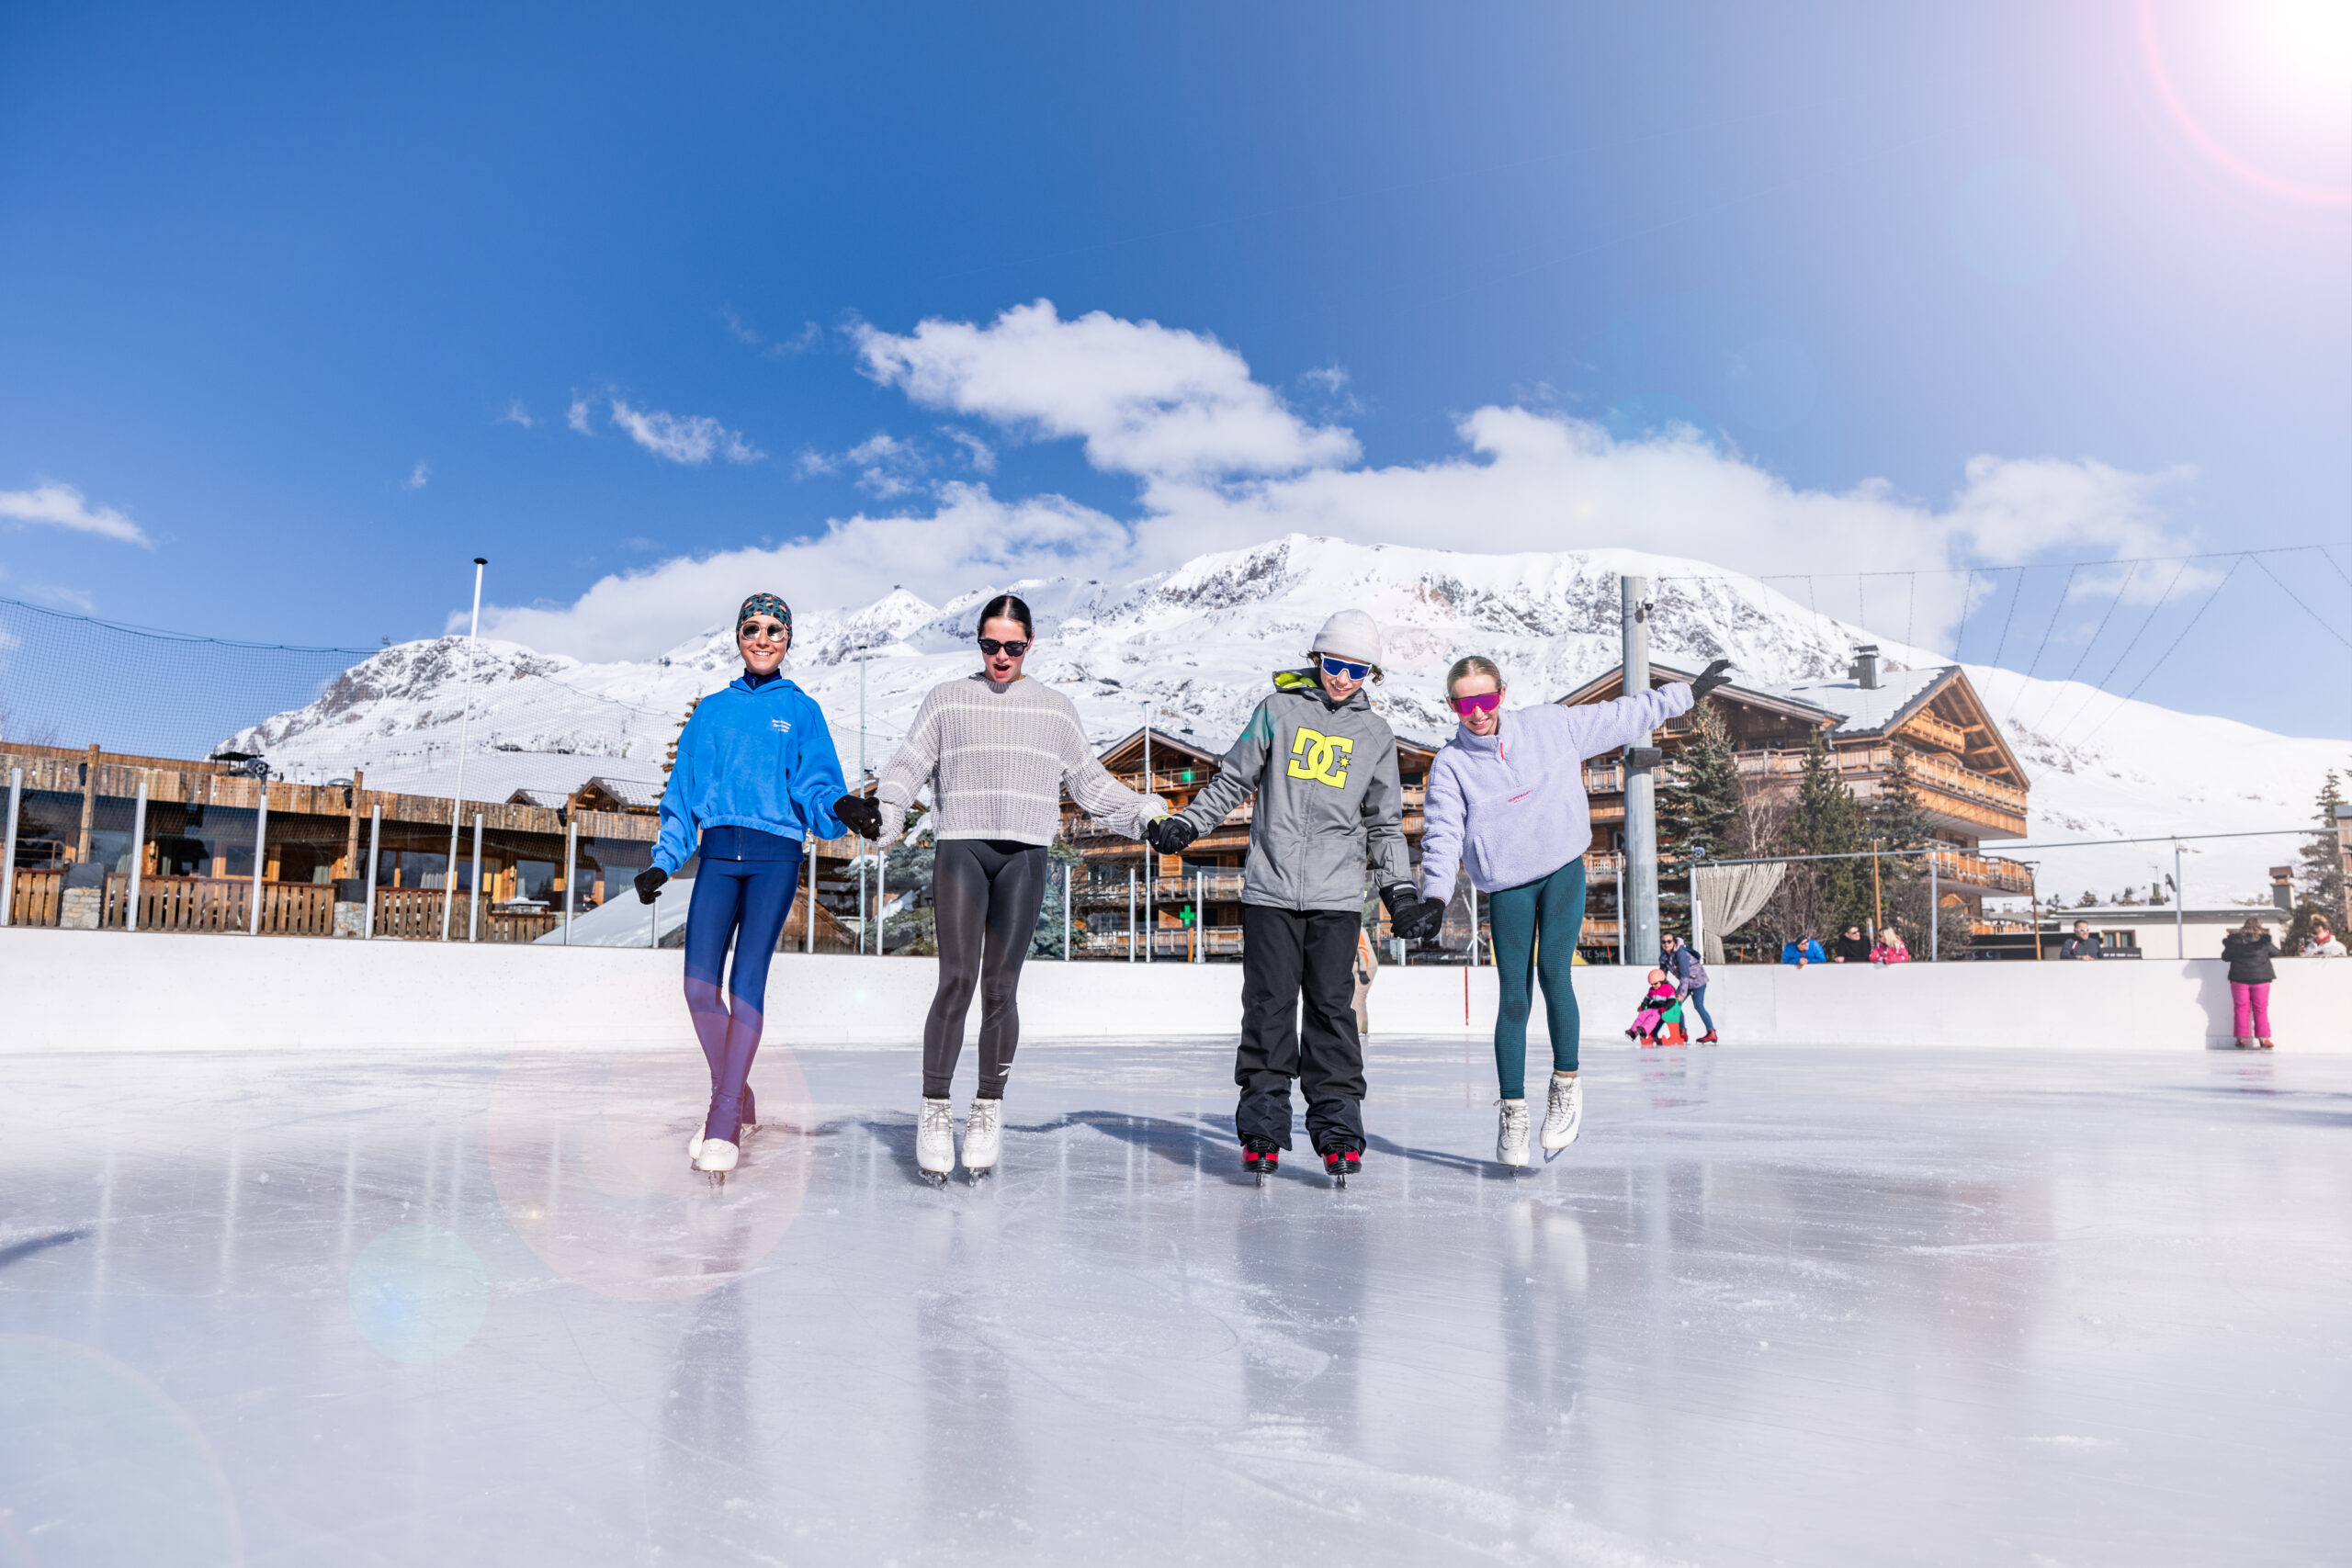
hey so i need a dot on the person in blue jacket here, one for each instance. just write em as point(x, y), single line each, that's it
point(755, 773)
point(1802, 951)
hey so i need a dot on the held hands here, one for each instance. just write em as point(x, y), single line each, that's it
point(1168, 835)
point(861, 814)
point(1710, 677)
point(649, 884)
point(1412, 918)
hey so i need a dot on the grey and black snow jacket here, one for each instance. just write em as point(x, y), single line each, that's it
point(1326, 780)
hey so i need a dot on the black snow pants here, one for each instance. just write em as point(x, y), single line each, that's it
point(1286, 953)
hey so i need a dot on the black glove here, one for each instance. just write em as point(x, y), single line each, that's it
point(1410, 918)
point(1170, 835)
point(863, 815)
point(649, 884)
point(1710, 677)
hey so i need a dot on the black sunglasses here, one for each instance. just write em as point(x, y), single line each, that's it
point(991, 646)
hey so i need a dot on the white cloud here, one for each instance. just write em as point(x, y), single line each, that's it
point(62, 506)
point(888, 466)
point(973, 536)
point(1145, 399)
point(1525, 479)
point(418, 477)
point(977, 452)
point(682, 438)
point(810, 336)
point(517, 414)
point(577, 416)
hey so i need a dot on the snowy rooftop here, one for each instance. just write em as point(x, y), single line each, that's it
point(1872, 709)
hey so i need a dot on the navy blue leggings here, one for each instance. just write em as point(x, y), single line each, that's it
point(747, 901)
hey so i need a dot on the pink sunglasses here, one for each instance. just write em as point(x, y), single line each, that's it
point(1486, 704)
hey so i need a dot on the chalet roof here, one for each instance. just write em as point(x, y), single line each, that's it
point(1127, 750)
point(1871, 710)
point(636, 795)
point(551, 799)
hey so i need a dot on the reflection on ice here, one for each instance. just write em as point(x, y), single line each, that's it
point(1816, 1307)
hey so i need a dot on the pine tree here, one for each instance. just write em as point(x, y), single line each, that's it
point(1828, 821)
point(2319, 875)
point(1698, 810)
point(670, 758)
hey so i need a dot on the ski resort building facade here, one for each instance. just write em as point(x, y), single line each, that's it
point(1968, 781)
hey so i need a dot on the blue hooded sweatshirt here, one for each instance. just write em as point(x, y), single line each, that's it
point(754, 755)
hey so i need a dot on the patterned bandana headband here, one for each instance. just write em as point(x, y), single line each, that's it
point(765, 604)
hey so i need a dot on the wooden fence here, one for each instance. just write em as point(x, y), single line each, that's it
point(414, 914)
point(39, 897)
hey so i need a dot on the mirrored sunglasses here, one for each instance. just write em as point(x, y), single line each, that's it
point(1484, 703)
point(774, 631)
point(1344, 666)
point(991, 646)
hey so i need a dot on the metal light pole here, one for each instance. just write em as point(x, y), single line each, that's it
point(2179, 907)
point(138, 855)
point(1637, 882)
point(261, 856)
point(861, 785)
point(375, 849)
point(465, 722)
point(571, 870)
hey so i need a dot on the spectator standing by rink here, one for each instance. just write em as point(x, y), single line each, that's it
point(2081, 944)
point(1852, 947)
point(1802, 951)
point(1689, 976)
point(2321, 943)
point(2250, 951)
point(1891, 948)
point(1505, 801)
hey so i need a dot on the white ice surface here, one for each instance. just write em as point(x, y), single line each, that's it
point(1777, 1306)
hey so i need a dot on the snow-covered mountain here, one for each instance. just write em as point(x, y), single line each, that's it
point(1198, 645)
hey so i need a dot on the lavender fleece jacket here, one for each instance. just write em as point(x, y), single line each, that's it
point(1510, 805)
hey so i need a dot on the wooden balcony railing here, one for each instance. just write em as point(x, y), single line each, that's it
point(37, 897)
point(1989, 873)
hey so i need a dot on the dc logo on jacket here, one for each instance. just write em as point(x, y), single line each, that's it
point(780, 725)
point(1320, 757)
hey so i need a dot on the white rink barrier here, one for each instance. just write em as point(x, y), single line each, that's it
point(124, 991)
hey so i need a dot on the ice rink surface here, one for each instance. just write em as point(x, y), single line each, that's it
point(1813, 1307)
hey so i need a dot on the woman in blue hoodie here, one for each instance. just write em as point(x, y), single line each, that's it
point(755, 773)
point(1506, 799)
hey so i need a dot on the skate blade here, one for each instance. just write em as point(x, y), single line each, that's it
point(938, 1179)
point(715, 1180)
point(976, 1177)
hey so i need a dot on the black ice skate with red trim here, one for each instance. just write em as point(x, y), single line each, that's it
point(1259, 1159)
point(1340, 1164)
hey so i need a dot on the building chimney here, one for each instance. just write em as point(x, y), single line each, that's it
point(1864, 668)
point(2282, 890)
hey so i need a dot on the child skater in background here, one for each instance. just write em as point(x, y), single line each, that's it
point(755, 769)
point(1659, 1010)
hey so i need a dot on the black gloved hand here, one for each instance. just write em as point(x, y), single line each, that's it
point(649, 884)
point(1170, 835)
point(1411, 918)
point(861, 814)
point(1710, 677)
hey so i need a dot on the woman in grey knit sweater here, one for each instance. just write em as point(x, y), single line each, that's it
point(997, 748)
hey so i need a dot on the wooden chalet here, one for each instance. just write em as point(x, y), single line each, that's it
point(1188, 906)
point(1967, 778)
point(87, 855)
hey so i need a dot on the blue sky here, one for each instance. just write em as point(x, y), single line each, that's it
point(297, 306)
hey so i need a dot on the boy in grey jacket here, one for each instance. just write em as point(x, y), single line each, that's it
point(1323, 766)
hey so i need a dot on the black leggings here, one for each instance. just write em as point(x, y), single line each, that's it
point(987, 893)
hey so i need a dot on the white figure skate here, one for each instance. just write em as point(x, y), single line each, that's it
point(1510, 1131)
point(718, 1157)
point(983, 1137)
point(1563, 1115)
point(936, 1140)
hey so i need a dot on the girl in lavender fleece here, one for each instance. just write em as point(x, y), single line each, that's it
point(1506, 799)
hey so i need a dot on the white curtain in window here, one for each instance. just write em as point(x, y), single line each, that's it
point(1729, 897)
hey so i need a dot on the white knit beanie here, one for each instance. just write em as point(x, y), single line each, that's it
point(1350, 635)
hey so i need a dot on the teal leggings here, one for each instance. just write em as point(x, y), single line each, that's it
point(1553, 908)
